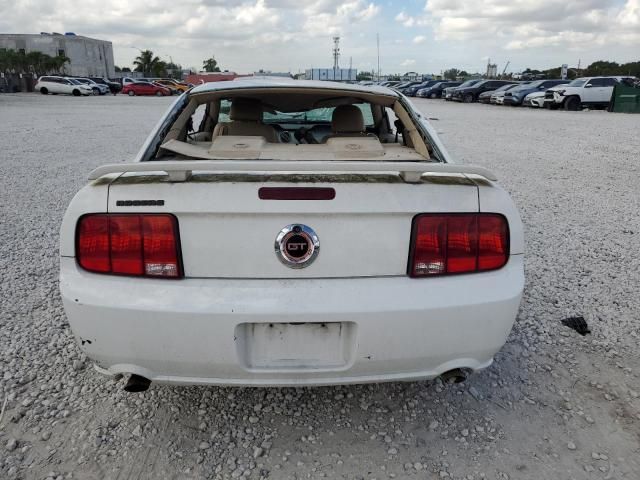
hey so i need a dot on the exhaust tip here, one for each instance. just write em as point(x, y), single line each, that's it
point(457, 375)
point(137, 384)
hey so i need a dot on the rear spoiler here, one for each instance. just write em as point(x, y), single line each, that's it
point(180, 171)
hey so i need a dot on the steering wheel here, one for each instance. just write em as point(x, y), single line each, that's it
point(306, 135)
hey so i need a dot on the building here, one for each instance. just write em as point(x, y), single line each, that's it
point(88, 57)
point(331, 74)
point(269, 73)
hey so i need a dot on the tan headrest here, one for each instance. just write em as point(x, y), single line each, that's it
point(347, 119)
point(247, 110)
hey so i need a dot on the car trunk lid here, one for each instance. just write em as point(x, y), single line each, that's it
point(228, 231)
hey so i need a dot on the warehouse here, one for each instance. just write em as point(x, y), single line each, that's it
point(88, 57)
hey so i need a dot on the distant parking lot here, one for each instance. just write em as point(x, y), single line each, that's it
point(555, 405)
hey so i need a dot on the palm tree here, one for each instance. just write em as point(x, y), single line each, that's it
point(147, 62)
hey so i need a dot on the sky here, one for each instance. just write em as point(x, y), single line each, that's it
point(292, 35)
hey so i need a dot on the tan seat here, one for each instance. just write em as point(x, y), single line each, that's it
point(246, 120)
point(347, 121)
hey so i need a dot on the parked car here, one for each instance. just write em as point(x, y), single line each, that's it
point(292, 271)
point(582, 92)
point(176, 87)
point(127, 80)
point(470, 94)
point(447, 94)
point(435, 91)
point(55, 85)
point(498, 97)
point(114, 87)
point(411, 91)
point(98, 89)
point(490, 96)
point(534, 100)
point(516, 96)
point(402, 87)
point(390, 83)
point(145, 88)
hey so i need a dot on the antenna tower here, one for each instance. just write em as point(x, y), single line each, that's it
point(336, 52)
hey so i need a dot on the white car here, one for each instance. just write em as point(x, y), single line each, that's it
point(582, 92)
point(96, 88)
point(281, 232)
point(535, 100)
point(56, 85)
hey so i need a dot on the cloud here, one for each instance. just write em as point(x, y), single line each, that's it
point(523, 24)
point(243, 34)
point(246, 35)
point(409, 62)
point(405, 19)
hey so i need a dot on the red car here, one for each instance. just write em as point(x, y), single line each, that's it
point(145, 88)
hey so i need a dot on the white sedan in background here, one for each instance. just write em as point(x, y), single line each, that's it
point(67, 86)
point(289, 232)
point(535, 100)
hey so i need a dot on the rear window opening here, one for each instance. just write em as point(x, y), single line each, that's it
point(294, 124)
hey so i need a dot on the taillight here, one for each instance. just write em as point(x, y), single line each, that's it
point(453, 243)
point(129, 244)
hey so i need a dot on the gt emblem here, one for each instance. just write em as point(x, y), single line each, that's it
point(297, 245)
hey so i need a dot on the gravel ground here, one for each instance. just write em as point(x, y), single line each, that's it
point(555, 405)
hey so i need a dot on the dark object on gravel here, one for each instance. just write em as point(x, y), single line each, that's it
point(579, 324)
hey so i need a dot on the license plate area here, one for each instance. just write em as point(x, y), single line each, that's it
point(295, 346)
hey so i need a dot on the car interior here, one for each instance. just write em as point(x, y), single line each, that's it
point(289, 123)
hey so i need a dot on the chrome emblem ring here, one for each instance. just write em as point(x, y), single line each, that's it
point(297, 245)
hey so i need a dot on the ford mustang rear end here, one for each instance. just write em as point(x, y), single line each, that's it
point(291, 233)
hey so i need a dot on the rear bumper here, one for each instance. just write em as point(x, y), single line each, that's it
point(192, 331)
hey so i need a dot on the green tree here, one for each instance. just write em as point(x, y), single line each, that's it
point(451, 74)
point(602, 67)
point(37, 63)
point(210, 65)
point(147, 62)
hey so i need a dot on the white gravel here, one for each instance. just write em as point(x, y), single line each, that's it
point(554, 405)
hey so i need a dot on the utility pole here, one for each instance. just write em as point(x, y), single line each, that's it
point(336, 53)
point(378, 45)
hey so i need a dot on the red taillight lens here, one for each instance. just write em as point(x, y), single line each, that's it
point(137, 244)
point(458, 243)
point(93, 243)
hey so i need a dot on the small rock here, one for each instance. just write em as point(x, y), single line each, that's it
point(571, 446)
point(257, 452)
point(204, 446)
point(11, 444)
point(392, 451)
point(253, 419)
point(475, 394)
point(137, 431)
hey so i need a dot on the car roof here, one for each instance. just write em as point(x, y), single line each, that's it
point(262, 82)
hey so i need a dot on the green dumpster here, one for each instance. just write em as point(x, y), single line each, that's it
point(625, 99)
